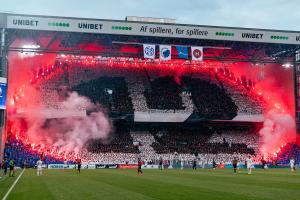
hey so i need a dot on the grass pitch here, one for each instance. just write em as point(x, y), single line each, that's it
point(153, 184)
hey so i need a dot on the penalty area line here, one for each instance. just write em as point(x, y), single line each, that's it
point(13, 185)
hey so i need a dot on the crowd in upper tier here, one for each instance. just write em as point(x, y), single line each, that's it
point(208, 94)
point(164, 94)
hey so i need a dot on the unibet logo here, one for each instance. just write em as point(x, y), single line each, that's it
point(25, 22)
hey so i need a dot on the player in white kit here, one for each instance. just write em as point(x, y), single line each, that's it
point(39, 167)
point(65, 164)
point(292, 164)
point(249, 165)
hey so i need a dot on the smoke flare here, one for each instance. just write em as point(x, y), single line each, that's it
point(69, 134)
point(278, 129)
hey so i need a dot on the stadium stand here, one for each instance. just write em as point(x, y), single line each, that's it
point(289, 151)
point(210, 105)
point(24, 155)
point(144, 140)
point(163, 94)
point(240, 91)
point(120, 142)
point(112, 93)
point(237, 137)
point(156, 90)
point(126, 147)
point(197, 142)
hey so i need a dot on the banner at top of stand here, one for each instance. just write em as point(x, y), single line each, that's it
point(150, 29)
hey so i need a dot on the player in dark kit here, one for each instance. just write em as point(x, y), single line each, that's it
point(5, 166)
point(78, 161)
point(194, 164)
point(234, 165)
point(160, 163)
point(214, 164)
point(263, 163)
point(140, 167)
point(12, 168)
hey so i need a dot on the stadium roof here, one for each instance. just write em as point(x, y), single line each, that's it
point(122, 27)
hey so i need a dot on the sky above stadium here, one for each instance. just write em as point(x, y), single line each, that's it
point(272, 14)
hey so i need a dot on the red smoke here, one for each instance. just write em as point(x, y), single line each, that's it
point(275, 84)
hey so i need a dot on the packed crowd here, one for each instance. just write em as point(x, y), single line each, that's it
point(127, 90)
point(111, 93)
point(236, 137)
point(126, 147)
point(120, 142)
point(23, 154)
point(197, 142)
point(144, 140)
point(136, 89)
point(178, 141)
point(153, 90)
point(108, 158)
point(239, 89)
point(289, 151)
point(164, 94)
point(210, 105)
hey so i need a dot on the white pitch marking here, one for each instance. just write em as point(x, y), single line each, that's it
point(13, 185)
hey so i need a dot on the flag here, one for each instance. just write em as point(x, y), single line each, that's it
point(164, 52)
point(182, 52)
point(149, 51)
point(197, 53)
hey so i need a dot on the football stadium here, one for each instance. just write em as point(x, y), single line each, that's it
point(145, 108)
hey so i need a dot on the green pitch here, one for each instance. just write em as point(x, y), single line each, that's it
point(153, 184)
